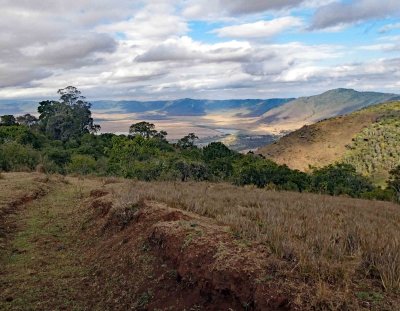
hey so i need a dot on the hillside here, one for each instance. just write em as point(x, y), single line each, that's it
point(74, 243)
point(367, 138)
point(308, 110)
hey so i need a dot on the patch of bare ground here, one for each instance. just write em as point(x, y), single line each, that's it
point(318, 144)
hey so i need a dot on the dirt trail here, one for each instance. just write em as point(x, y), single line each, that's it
point(41, 263)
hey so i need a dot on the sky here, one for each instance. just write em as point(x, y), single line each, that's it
point(219, 49)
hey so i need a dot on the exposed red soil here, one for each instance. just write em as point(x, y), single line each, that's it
point(168, 259)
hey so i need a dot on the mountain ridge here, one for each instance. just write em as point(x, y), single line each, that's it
point(366, 138)
point(307, 110)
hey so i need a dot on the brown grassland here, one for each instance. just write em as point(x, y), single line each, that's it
point(112, 244)
point(319, 144)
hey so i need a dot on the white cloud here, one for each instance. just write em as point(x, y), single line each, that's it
point(156, 21)
point(186, 49)
point(389, 27)
point(260, 29)
point(204, 9)
point(342, 13)
point(151, 49)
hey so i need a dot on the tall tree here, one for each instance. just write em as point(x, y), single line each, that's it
point(70, 95)
point(7, 120)
point(27, 120)
point(67, 118)
point(144, 129)
point(187, 141)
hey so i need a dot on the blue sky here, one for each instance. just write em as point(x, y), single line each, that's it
point(169, 49)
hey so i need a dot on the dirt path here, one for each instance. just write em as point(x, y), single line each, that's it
point(41, 265)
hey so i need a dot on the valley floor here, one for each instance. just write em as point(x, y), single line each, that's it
point(71, 243)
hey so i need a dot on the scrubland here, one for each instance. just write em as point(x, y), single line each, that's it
point(344, 246)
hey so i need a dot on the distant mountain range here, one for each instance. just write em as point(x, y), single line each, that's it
point(367, 138)
point(193, 107)
point(307, 110)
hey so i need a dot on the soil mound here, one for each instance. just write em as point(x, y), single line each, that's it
point(160, 257)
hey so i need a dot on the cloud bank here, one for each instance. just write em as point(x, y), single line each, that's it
point(168, 49)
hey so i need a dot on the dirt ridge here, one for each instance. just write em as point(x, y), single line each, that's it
point(212, 268)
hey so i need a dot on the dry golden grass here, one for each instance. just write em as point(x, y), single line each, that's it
point(319, 144)
point(330, 252)
point(345, 243)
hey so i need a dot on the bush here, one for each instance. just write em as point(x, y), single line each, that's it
point(191, 170)
point(22, 135)
point(147, 171)
point(17, 157)
point(82, 164)
point(339, 179)
point(253, 170)
point(380, 194)
point(394, 181)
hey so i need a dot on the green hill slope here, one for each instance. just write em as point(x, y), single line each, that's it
point(367, 139)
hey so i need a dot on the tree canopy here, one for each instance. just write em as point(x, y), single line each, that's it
point(70, 117)
point(7, 120)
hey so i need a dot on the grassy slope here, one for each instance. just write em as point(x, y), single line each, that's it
point(209, 246)
point(353, 137)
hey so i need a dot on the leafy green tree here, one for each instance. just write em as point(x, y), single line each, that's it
point(27, 120)
point(68, 118)
point(17, 157)
point(161, 135)
point(254, 170)
point(82, 164)
point(7, 120)
point(127, 152)
point(144, 129)
point(70, 95)
point(191, 170)
point(340, 179)
point(46, 109)
point(216, 150)
point(219, 159)
point(22, 135)
point(187, 141)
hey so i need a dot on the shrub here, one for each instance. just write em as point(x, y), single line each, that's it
point(394, 181)
point(17, 157)
point(82, 164)
point(339, 179)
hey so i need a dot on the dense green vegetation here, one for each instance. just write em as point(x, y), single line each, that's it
point(375, 151)
point(63, 140)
